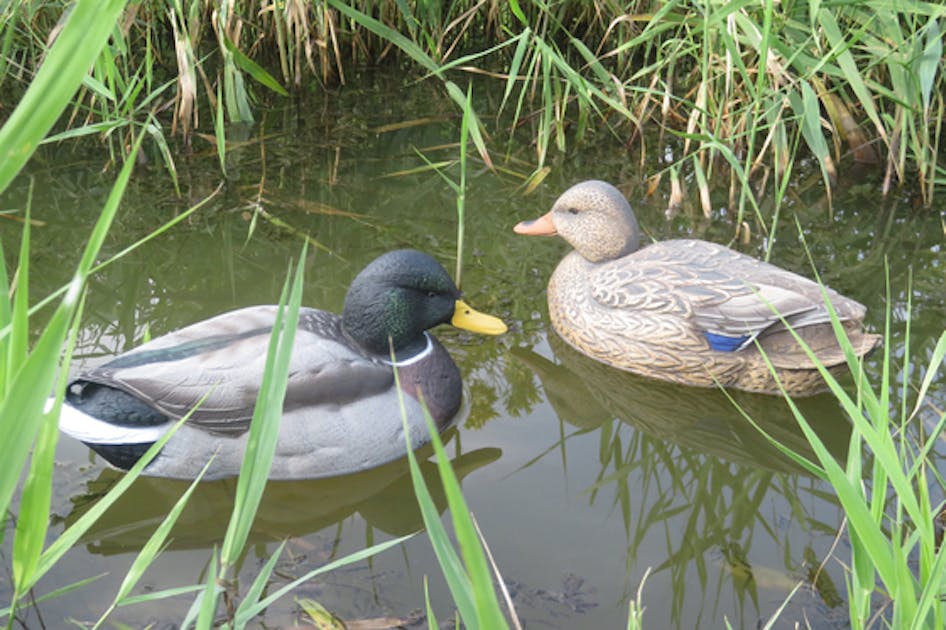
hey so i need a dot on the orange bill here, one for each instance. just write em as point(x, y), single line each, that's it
point(542, 226)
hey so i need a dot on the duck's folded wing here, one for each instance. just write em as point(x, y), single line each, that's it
point(729, 311)
point(220, 375)
point(731, 323)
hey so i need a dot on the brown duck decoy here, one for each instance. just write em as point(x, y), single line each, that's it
point(686, 311)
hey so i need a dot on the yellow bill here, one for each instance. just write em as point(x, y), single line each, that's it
point(467, 318)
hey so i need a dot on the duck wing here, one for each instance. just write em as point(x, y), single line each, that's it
point(729, 297)
point(223, 358)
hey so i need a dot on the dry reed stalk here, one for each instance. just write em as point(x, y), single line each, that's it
point(185, 110)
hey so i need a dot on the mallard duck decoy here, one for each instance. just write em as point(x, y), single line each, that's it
point(341, 412)
point(686, 311)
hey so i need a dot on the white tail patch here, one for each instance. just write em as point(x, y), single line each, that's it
point(88, 429)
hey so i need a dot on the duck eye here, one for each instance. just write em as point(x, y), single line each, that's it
point(573, 211)
point(431, 294)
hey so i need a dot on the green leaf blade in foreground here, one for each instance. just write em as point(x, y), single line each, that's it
point(457, 580)
point(244, 615)
point(150, 551)
point(472, 589)
point(19, 316)
point(207, 606)
point(32, 523)
point(21, 411)
point(75, 49)
point(267, 414)
point(152, 548)
point(71, 536)
point(487, 606)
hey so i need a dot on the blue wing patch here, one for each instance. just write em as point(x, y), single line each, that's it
point(725, 343)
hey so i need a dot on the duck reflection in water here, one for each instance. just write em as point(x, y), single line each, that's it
point(383, 497)
point(587, 393)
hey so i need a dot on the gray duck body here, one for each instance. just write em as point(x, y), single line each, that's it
point(341, 412)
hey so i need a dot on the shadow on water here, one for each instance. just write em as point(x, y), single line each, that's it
point(383, 497)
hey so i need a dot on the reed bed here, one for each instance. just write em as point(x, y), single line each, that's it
point(744, 88)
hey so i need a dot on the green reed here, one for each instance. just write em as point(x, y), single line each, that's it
point(745, 88)
point(28, 375)
point(467, 574)
point(254, 473)
point(32, 374)
point(886, 486)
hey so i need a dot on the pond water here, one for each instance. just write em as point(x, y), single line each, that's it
point(582, 478)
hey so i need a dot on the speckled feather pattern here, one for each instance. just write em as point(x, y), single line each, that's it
point(649, 310)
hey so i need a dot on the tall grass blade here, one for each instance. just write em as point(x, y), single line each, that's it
point(152, 548)
point(419, 56)
point(154, 132)
point(472, 588)
point(515, 64)
point(246, 613)
point(207, 607)
point(252, 595)
point(264, 427)
point(848, 67)
point(489, 612)
point(32, 521)
point(457, 580)
point(264, 432)
point(74, 532)
point(461, 188)
point(18, 317)
point(936, 364)
point(809, 112)
point(53, 594)
point(220, 134)
point(928, 64)
point(86, 31)
point(253, 69)
point(8, 364)
point(176, 591)
point(21, 411)
point(431, 617)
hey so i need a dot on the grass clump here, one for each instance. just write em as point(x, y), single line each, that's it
point(746, 88)
point(892, 495)
point(29, 374)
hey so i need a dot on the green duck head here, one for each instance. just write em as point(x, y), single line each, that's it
point(401, 294)
point(595, 219)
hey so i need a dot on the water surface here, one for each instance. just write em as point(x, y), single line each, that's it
point(581, 477)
